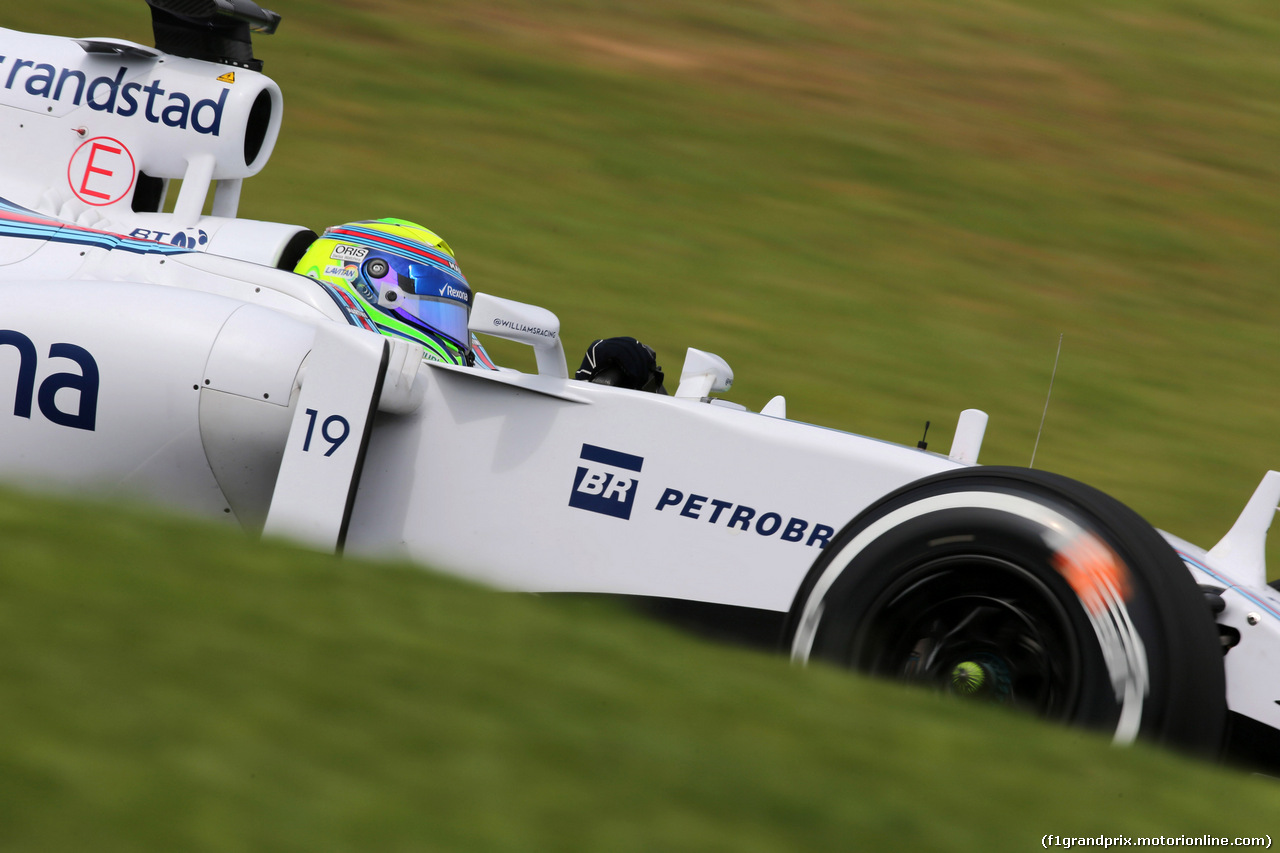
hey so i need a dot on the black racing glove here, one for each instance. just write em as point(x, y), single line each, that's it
point(623, 362)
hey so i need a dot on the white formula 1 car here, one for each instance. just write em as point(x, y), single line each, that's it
point(173, 356)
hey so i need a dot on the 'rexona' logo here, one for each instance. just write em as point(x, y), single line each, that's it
point(454, 293)
point(604, 483)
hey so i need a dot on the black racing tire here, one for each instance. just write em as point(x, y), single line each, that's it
point(1027, 589)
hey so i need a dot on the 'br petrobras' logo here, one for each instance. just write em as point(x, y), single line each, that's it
point(605, 482)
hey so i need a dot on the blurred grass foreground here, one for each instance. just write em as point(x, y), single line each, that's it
point(167, 686)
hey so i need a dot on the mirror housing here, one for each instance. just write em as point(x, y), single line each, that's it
point(524, 324)
point(703, 372)
point(967, 442)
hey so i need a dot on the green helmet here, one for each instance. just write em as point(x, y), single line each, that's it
point(399, 279)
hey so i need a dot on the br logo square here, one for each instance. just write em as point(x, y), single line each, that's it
point(606, 481)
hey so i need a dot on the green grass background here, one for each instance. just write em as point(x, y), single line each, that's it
point(888, 212)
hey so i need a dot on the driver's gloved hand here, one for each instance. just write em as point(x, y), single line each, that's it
point(624, 362)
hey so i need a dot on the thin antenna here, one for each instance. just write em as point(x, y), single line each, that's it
point(1046, 402)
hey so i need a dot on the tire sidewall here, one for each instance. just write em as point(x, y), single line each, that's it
point(871, 560)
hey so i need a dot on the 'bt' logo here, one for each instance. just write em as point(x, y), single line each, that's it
point(597, 488)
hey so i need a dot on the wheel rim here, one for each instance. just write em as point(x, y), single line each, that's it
point(975, 626)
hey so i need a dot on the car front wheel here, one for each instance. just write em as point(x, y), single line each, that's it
point(1025, 589)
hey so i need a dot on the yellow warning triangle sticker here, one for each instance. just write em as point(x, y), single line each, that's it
point(229, 77)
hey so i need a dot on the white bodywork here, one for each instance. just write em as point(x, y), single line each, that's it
point(480, 476)
point(209, 381)
point(85, 119)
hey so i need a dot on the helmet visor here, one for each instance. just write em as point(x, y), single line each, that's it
point(432, 295)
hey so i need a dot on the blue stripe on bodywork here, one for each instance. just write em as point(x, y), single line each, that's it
point(65, 232)
point(1230, 584)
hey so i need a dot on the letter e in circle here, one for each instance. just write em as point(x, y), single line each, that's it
point(102, 171)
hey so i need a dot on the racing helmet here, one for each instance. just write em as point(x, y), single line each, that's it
point(397, 278)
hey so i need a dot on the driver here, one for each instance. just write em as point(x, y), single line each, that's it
point(401, 279)
point(398, 278)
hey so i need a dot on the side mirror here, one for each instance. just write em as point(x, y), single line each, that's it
point(524, 324)
point(703, 372)
point(970, 429)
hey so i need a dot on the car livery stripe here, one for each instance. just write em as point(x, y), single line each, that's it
point(382, 237)
point(378, 240)
point(408, 254)
point(17, 221)
point(1230, 584)
point(481, 356)
point(351, 309)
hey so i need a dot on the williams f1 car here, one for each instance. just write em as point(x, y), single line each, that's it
point(186, 364)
